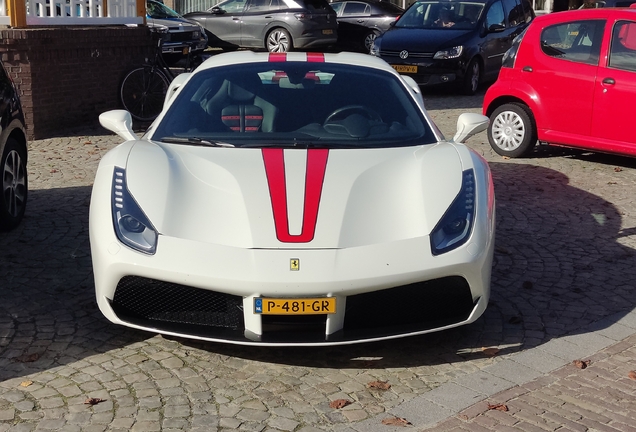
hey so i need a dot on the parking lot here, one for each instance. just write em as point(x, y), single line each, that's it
point(564, 260)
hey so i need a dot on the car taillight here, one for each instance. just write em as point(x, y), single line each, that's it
point(303, 16)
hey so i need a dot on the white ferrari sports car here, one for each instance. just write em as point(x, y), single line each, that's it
point(292, 199)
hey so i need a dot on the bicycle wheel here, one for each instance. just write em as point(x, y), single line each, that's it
point(143, 91)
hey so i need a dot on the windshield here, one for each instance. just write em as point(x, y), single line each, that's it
point(295, 104)
point(158, 10)
point(457, 15)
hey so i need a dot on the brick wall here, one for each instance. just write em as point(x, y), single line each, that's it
point(67, 76)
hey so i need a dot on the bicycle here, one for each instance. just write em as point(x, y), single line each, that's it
point(143, 89)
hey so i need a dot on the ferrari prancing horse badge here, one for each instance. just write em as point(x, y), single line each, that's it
point(294, 264)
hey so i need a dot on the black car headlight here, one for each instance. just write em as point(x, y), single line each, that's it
point(454, 229)
point(131, 224)
point(449, 53)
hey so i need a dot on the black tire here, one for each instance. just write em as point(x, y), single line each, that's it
point(279, 40)
point(15, 188)
point(472, 78)
point(368, 40)
point(512, 130)
point(143, 91)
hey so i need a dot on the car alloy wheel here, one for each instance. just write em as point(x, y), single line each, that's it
point(14, 185)
point(472, 77)
point(512, 131)
point(369, 39)
point(279, 40)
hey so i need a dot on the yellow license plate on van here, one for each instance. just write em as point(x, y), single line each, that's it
point(295, 306)
point(327, 31)
point(405, 68)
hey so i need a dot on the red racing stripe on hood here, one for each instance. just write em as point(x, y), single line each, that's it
point(274, 160)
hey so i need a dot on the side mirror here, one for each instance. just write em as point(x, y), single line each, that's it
point(469, 124)
point(496, 28)
point(119, 122)
point(216, 10)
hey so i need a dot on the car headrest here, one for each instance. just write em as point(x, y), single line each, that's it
point(239, 94)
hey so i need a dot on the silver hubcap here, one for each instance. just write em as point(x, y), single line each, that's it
point(14, 183)
point(508, 130)
point(474, 78)
point(368, 41)
point(277, 42)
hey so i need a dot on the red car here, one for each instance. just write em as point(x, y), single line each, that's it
point(568, 80)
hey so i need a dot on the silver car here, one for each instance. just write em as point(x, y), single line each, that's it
point(274, 25)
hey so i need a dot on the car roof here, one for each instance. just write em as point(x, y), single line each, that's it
point(593, 13)
point(348, 58)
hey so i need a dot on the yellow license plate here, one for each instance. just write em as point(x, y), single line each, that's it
point(295, 306)
point(405, 68)
point(327, 31)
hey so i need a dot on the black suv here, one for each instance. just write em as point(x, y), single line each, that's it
point(13, 148)
point(275, 25)
point(457, 41)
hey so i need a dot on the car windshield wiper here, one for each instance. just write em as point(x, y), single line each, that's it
point(195, 141)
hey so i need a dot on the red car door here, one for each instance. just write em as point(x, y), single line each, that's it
point(563, 72)
point(615, 91)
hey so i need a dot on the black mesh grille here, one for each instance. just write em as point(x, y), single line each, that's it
point(418, 306)
point(141, 299)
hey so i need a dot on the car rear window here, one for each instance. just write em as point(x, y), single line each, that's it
point(287, 103)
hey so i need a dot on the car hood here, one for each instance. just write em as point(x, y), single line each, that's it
point(422, 40)
point(296, 198)
point(172, 23)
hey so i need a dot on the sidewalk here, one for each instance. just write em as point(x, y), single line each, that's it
point(585, 382)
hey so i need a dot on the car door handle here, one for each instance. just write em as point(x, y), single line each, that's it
point(527, 69)
point(268, 17)
point(609, 81)
point(235, 19)
point(360, 21)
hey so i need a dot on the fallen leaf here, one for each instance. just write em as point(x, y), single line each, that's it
point(26, 383)
point(24, 358)
point(505, 157)
point(632, 375)
point(611, 183)
point(381, 385)
point(93, 401)
point(618, 169)
point(87, 142)
point(395, 421)
point(527, 285)
point(581, 364)
point(53, 170)
point(490, 352)
point(339, 403)
point(498, 407)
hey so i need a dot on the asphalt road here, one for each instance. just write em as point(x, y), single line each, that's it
point(564, 268)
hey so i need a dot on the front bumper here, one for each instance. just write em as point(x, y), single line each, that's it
point(430, 72)
point(207, 292)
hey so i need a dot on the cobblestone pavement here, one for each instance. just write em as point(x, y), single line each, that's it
point(563, 289)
